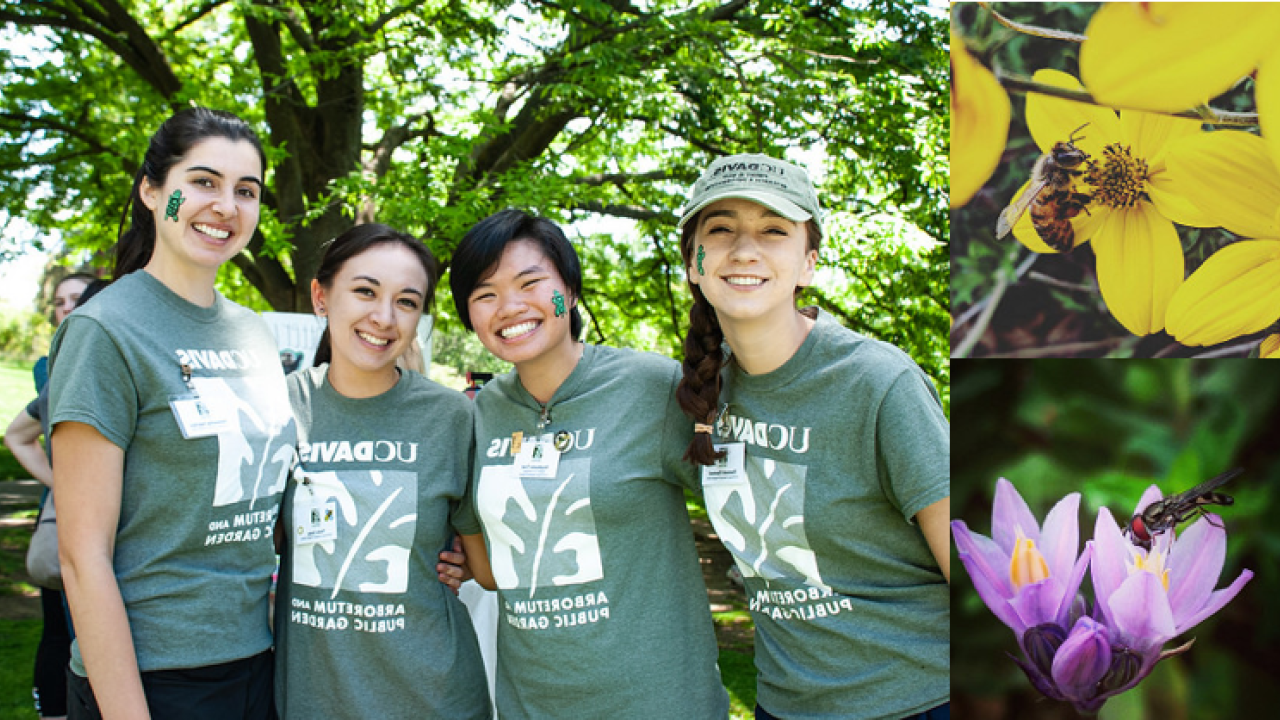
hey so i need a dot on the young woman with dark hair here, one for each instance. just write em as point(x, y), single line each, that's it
point(826, 461)
point(579, 486)
point(363, 627)
point(172, 439)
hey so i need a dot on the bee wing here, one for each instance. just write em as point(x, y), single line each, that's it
point(1010, 216)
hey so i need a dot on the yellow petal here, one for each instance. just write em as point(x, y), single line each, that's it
point(1149, 134)
point(979, 123)
point(1139, 266)
point(1173, 56)
point(1270, 347)
point(1229, 175)
point(1266, 94)
point(1053, 120)
point(1173, 200)
point(1235, 292)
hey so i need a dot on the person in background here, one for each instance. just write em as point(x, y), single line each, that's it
point(172, 440)
point(23, 439)
point(580, 489)
point(379, 491)
point(825, 461)
point(66, 297)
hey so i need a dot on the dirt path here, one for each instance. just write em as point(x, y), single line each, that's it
point(734, 632)
point(16, 496)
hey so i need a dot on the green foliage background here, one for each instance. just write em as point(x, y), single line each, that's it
point(1109, 429)
point(431, 115)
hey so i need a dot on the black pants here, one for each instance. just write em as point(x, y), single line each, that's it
point(239, 690)
point(52, 655)
point(942, 712)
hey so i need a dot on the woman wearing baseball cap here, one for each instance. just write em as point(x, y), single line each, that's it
point(827, 461)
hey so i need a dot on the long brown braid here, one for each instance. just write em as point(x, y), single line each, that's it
point(699, 391)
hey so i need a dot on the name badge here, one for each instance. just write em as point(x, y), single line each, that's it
point(196, 418)
point(729, 469)
point(538, 458)
point(314, 519)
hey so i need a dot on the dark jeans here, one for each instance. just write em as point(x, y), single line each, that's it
point(52, 655)
point(942, 712)
point(238, 690)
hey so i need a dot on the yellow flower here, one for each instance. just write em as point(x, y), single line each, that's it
point(1235, 292)
point(1129, 220)
point(979, 123)
point(1174, 56)
point(1270, 347)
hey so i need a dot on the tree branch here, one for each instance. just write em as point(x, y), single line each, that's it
point(1022, 84)
point(199, 13)
point(381, 21)
point(632, 212)
point(31, 124)
point(622, 178)
point(1032, 29)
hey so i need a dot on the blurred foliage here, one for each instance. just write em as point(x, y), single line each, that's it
point(1108, 430)
point(24, 335)
point(1052, 300)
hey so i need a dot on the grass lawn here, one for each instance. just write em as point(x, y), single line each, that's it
point(18, 639)
point(16, 390)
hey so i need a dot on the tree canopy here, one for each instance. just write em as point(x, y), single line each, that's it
point(429, 115)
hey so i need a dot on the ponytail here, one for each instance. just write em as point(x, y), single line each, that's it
point(135, 245)
point(324, 349)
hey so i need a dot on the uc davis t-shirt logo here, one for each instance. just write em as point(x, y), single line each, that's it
point(376, 524)
point(541, 532)
point(761, 519)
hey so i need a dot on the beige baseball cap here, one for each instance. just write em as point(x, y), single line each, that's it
point(776, 184)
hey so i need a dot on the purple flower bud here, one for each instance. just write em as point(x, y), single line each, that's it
point(1082, 660)
point(1125, 665)
point(1041, 643)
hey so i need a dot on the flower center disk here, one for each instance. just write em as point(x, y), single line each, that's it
point(1119, 179)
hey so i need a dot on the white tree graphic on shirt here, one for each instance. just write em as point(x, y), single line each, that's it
point(540, 532)
point(377, 517)
point(760, 518)
point(253, 460)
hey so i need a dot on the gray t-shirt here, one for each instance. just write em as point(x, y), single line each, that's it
point(363, 626)
point(193, 550)
point(843, 445)
point(603, 612)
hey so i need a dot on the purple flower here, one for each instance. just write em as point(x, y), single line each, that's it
point(1149, 597)
point(1027, 575)
point(1144, 598)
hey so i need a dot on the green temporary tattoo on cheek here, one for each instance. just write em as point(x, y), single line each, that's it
point(558, 300)
point(702, 253)
point(175, 202)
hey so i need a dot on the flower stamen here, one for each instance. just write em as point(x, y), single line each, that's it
point(1119, 179)
point(1153, 563)
point(1027, 565)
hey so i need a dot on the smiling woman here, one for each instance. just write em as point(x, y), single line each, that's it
point(380, 488)
point(579, 487)
point(154, 449)
point(848, 567)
